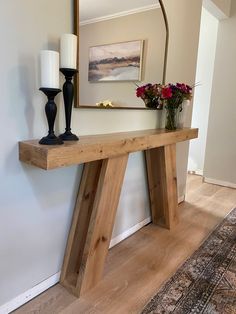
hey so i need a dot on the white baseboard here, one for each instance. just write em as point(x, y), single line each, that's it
point(196, 172)
point(29, 295)
point(135, 228)
point(53, 280)
point(129, 232)
point(181, 199)
point(219, 182)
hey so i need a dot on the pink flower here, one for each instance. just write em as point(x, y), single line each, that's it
point(166, 93)
point(184, 88)
point(140, 91)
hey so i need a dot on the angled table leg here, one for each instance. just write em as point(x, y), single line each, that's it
point(92, 223)
point(162, 181)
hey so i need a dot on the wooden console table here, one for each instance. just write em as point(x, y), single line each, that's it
point(105, 158)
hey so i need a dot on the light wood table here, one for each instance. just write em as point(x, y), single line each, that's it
point(105, 158)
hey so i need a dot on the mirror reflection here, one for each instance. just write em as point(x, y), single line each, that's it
point(121, 45)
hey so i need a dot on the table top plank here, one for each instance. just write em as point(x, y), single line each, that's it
point(97, 147)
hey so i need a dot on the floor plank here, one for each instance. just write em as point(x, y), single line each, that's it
point(137, 267)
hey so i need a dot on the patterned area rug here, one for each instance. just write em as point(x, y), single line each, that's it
point(206, 282)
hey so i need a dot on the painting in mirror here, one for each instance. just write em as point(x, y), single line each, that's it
point(116, 62)
point(121, 46)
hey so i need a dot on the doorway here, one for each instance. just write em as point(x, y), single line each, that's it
point(202, 97)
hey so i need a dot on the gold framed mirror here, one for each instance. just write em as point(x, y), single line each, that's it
point(111, 26)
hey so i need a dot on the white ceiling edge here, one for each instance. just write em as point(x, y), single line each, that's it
point(211, 7)
point(120, 14)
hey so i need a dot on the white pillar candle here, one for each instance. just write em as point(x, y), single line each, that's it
point(49, 61)
point(68, 51)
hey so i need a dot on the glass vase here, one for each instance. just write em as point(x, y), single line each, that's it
point(183, 109)
point(152, 103)
point(172, 115)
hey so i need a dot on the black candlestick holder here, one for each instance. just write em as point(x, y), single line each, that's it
point(51, 111)
point(68, 94)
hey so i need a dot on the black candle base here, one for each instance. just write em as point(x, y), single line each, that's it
point(51, 111)
point(68, 136)
point(68, 94)
point(51, 140)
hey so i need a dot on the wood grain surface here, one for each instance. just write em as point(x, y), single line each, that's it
point(162, 181)
point(92, 224)
point(97, 147)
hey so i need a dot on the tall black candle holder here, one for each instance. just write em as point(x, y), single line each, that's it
point(68, 94)
point(51, 111)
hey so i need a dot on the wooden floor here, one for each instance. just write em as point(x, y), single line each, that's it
point(137, 267)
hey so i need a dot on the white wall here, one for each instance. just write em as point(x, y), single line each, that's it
point(221, 144)
point(202, 97)
point(183, 48)
point(36, 206)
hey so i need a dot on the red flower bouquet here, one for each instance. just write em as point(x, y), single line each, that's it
point(170, 95)
point(173, 96)
point(151, 95)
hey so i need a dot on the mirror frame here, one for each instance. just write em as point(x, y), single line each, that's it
point(76, 80)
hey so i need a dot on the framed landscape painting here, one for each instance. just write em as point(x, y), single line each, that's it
point(116, 62)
